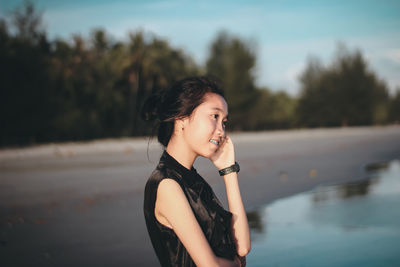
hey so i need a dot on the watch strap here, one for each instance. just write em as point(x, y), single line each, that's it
point(234, 168)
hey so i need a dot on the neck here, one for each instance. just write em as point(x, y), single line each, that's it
point(181, 153)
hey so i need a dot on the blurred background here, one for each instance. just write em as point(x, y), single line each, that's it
point(78, 70)
point(321, 189)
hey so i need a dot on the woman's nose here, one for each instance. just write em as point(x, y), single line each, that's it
point(221, 130)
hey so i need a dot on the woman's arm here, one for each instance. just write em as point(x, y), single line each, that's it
point(225, 157)
point(172, 204)
point(240, 225)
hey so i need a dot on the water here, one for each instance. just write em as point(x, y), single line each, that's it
point(351, 224)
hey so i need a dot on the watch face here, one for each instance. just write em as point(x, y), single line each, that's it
point(237, 167)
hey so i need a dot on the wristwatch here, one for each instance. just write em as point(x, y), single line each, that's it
point(234, 168)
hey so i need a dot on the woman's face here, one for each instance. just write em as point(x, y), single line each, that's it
point(204, 129)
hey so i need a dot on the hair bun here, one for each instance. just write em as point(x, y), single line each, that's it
point(151, 107)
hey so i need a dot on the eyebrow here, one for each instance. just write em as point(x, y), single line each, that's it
point(222, 111)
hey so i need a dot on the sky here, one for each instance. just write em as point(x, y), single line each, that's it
point(284, 33)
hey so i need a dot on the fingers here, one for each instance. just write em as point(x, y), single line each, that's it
point(226, 138)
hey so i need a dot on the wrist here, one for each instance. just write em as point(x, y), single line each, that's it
point(225, 165)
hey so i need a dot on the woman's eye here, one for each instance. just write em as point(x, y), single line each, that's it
point(215, 116)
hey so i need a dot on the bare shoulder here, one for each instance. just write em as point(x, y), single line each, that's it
point(168, 187)
point(170, 192)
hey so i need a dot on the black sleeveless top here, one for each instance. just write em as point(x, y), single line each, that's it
point(214, 220)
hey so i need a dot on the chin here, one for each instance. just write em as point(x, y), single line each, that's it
point(206, 154)
point(210, 153)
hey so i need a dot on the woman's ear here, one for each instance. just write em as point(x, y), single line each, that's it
point(180, 125)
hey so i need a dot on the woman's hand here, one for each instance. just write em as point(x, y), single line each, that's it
point(225, 154)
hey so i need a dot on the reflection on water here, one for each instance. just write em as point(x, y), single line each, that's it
point(351, 224)
point(360, 188)
point(343, 191)
point(255, 221)
point(373, 168)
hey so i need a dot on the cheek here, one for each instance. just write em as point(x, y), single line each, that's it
point(202, 131)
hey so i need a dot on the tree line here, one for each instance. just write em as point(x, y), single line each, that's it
point(94, 87)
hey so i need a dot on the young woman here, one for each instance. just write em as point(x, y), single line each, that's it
point(185, 220)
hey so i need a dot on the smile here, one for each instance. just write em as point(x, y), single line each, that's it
point(214, 142)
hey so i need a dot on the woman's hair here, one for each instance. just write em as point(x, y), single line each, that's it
point(177, 102)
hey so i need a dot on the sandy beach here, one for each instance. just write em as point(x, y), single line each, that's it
point(80, 204)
